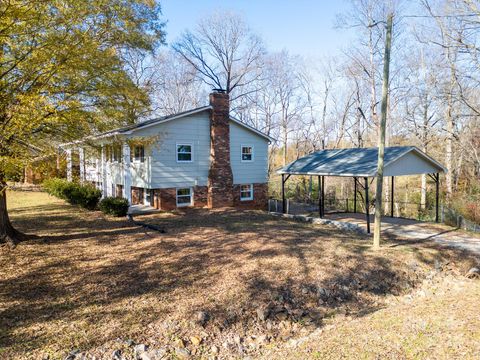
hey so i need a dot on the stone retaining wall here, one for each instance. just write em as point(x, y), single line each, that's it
point(343, 225)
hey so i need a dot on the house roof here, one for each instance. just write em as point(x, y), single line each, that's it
point(362, 162)
point(142, 125)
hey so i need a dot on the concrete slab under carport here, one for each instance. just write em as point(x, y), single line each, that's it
point(408, 229)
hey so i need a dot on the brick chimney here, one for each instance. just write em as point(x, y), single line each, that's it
point(220, 178)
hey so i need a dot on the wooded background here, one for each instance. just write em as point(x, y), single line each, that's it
point(333, 102)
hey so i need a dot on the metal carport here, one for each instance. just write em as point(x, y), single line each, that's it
point(362, 163)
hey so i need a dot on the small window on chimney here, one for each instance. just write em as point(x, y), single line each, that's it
point(184, 153)
point(247, 153)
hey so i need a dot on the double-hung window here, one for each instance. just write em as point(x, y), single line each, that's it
point(246, 192)
point(108, 153)
point(138, 153)
point(247, 153)
point(184, 197)
point(117, 153)
point(184, 153)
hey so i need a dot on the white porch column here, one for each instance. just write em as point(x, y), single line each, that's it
point(98, 168)
point(69, 164)
point(127, 173)
point(81, 156)
point(104, 173)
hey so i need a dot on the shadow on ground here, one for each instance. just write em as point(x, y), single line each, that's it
point(91, 279)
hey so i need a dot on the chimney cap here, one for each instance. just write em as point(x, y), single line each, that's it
point(219, 91)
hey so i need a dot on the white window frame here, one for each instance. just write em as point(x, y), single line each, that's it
point(241, 153)
point(191, 196)
point(108, 153)
point(251, 192)
point(134, 160)
point(117, 149)
point(191, 152)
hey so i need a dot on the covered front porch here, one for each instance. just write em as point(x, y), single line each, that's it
point(108, 163)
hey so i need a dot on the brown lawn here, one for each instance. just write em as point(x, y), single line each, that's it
point(91, 283)
point(439, 321)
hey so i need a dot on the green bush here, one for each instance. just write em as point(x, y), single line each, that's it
point(87, 196)
point(58, 187)
point(114, 206)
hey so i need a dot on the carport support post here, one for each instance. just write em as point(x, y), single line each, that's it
point(367, 203)
point(283, 194)
point(320, 197)
point(392, 194)
point(354, 194)
point(323, 196)
point(437, 191)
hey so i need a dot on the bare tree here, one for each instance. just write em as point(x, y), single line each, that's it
point(421, 115)
point(446, 27)
point(259, 107)
point(177, 86)
point(224, 51)
point(434, 89)
point(317, 82)
point(343, 103)
point(366, 54)
point(285, 82)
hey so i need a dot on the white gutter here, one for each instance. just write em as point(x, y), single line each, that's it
point(153, 123)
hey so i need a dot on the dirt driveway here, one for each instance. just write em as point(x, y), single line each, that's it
point(416, 230)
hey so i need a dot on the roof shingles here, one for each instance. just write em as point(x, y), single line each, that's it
point(347, 162)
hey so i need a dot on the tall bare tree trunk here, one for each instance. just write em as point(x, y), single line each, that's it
point(285, 140)
point(449, 149)
point(424, 131)
point(423, 195)
point(373, 85)
point(358, 119)
point(450, 131)
point(381, 138)
point(324, 112)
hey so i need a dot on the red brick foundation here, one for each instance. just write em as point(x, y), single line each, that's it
point(200, 196)
point(166, 199)
point(260, 197)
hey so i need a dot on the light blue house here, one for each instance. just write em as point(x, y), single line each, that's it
point(202, 157)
